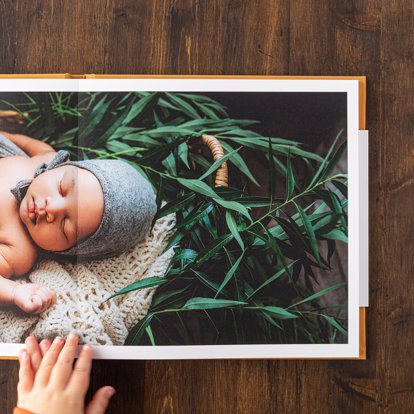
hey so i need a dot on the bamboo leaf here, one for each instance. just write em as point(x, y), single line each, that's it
point(332, 321)
point(276, 311)
point(318, 173)
point(336, 234)
point(218, 163)
point(198, 215)
point(213, 248)
point(233, 205)
point(182, 105)
point(199, 187)
point(230, 274)
point(208, 303)
point(175, 205)
point(290, 178)
point(231, 224)
point(139, 329)
point(319, 294)
point(238, 162)
point(270, 280)
point(142, 284)
point(310, 232)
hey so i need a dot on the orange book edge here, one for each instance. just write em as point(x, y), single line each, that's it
point(362, 125)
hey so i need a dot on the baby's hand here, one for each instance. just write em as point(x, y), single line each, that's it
point(33, 298)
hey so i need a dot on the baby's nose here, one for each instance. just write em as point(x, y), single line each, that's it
point(53, 209)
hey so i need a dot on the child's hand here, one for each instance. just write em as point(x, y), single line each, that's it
point(49, 384)
point(33, 298)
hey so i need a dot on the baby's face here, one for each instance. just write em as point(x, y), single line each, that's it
point(62, 207)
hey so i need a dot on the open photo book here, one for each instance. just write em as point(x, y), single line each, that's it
point(185, 217)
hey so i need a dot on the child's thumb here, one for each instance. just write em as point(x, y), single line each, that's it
point(100, 401)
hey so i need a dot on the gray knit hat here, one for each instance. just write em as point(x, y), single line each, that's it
point(129, 206)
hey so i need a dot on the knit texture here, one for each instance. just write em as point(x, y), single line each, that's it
point(82, 290)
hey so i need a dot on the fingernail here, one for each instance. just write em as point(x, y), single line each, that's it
point(111, 392)
point(72, 335)
point(29, 340)
point(57, 340)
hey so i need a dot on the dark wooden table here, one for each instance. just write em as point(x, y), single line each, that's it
point(261, 37)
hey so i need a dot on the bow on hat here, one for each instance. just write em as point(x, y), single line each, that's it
point(20, 189)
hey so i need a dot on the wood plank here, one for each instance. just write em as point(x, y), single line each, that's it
point(344, 38)
point(396, 218)
point(9, 374)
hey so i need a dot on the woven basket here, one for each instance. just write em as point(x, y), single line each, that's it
point(222, 173)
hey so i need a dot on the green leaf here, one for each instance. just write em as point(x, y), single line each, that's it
point(233, 205)
point(139, 107)
point(332, 321)
point(175, 205)
point(310, 232)
point(139, 329)
point(231, 224)
point(198, 186)
point(334, 160)
point(112, 126)
point(150, 335)
point(318, 173)
point(208, 303)
point(319, 294)
point(89, 125)
point(230, 274)
point(178, 235)
point(290, 178)
point(272, 172)
point(213, 248)
point(336, 234)
point(218, 163)
point(183, 105)
point(183, 153)
point(238, 162)
point(184, 254)
point(198, 215)
point(277, 312)
point(142, 284)
point(274, 245)
point(271, 279)
point(168, 131)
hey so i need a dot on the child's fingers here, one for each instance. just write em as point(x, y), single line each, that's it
point(26, 375)
point(79, 381)
point(63, 369)
point(44, 346)
point(34, 352)
point(100, 401)
point(34, 305)
point(48, 362)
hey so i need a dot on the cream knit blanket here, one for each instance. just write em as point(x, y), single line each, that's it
point(83, 288)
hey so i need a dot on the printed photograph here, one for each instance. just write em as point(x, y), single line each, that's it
point(174, 218)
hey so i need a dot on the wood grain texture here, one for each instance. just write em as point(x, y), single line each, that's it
point(254, 37)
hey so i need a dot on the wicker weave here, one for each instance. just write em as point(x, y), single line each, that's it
point(222, 173)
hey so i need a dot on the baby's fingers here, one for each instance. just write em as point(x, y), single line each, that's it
point(26, 374)
point(34, 305)
point(79, 381)
point(100, 401)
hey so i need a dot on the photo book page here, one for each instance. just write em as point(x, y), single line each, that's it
point(185, 217)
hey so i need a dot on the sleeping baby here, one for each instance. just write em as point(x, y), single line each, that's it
point(68, 209)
